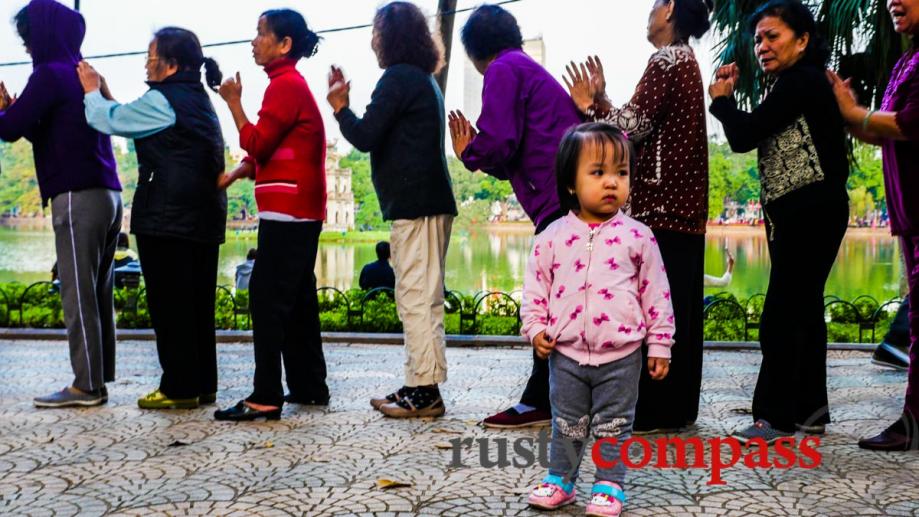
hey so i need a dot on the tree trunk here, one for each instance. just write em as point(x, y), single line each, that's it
point(445, 15)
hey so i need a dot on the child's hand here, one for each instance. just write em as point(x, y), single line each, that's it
point(543, 345)
point(658, 367)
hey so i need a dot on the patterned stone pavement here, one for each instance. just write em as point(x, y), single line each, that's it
point(120, 460)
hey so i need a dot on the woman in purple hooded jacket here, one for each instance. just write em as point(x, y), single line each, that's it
point(76, 173)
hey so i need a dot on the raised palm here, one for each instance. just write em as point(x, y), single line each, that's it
point(597, 78)
point(580, 86)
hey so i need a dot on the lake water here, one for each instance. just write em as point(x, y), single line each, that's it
point(868, 262)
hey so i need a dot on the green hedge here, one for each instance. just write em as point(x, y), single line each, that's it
point(355, 311)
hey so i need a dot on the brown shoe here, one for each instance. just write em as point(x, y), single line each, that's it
point(395, 396)
point(416, 402)
point(902, 435)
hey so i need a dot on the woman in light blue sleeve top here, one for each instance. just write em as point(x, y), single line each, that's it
point(146, 116)
point(178, 214)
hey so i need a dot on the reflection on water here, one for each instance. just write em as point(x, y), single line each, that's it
point(868, 263)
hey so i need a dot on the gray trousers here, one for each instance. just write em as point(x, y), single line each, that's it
point(86, 226)
point(598, 400)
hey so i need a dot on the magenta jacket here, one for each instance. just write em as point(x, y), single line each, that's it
point(599, 290)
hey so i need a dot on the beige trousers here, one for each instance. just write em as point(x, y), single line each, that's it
point(419, 251)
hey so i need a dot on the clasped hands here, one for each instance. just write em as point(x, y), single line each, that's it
point(726, 78)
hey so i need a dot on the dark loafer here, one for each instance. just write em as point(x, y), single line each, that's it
point(241, 412)
point(307, 400)
point(902, 435)
point(888, 441)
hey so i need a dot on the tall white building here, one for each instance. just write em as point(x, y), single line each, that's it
point(339, 215)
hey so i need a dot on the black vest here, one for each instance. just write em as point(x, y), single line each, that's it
point(177, 194)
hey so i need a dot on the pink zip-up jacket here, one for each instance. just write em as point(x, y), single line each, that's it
point(600, 291)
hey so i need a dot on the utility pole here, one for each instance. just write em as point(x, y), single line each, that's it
point(446, 12)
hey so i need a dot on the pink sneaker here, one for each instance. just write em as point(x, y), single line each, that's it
point(606, 500)
point(552, 494)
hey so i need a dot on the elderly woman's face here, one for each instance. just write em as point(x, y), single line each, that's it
point(905, 14)
point(659, 19)
point(777, 46)
point(375, 45)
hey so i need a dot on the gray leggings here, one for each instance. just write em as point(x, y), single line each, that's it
point(598, 400)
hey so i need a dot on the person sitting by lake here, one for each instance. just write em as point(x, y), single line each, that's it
point(76, 173)
point(244, 270)
point(179, 214)
point(803, 167)
point(287, 161)
point(124, 255)
point(403, 129)
point(723, 280)
point(895, 128)
point(127, 265)
point(525, 113)
point(378, 273)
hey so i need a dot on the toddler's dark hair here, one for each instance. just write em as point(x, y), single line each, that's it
point(569, 153)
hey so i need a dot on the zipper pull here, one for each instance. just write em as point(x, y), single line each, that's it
point(590, 239)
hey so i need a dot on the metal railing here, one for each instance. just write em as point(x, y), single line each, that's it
point(39, 305)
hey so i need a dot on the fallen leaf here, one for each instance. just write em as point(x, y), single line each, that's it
point(443, 445)
point(446, 431)
point(385, 484)
point(178, 443)
point(266, 445)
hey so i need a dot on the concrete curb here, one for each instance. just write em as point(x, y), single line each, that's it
point(369, 338)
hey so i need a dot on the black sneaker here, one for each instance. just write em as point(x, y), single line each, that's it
point(760, 429)
point(416, 402)
point(891, 356)
point(396, 396)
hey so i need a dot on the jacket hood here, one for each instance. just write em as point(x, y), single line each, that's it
point(56, 33)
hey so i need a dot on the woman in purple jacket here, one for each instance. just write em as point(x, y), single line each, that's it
point(895, 127)
point(76, 173)
point(525, 113)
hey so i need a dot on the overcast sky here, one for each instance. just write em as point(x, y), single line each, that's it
point(613, 29)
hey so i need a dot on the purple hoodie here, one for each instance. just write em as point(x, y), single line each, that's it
point(525, 113)
point(69, 155)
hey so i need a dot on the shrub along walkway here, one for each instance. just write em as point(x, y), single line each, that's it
point(118, 459)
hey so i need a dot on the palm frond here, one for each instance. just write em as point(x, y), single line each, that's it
point(859, 33)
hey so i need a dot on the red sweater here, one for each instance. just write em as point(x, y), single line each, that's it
point(287, 145)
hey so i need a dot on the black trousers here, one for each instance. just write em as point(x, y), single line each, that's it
point(285, 313)
point(674, 401)
point(804, 238)
point(180, 281)
point(536, 393)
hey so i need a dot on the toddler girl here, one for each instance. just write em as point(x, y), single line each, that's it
point(595, 290)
